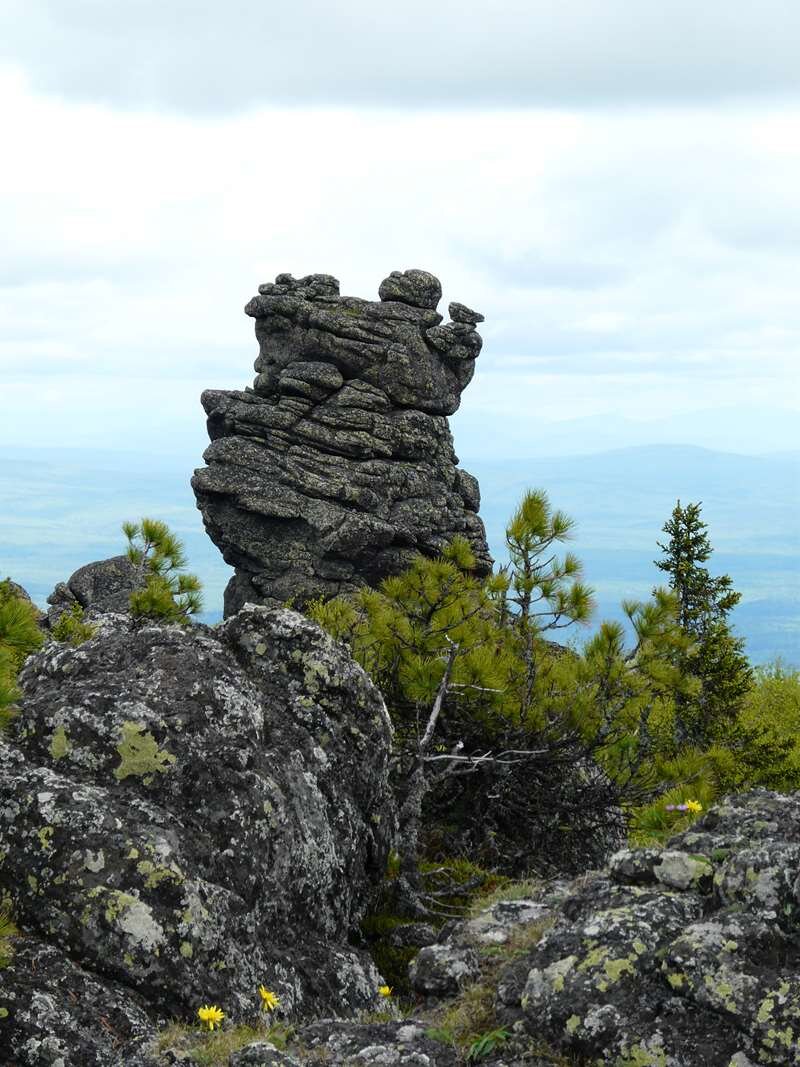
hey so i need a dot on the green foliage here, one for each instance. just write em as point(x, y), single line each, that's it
point(444, 1036)
point(9, 694)
point(467, 674)
point(540, 592)
point(214, 1049)
point(402, 633)
point(760, 749)
point(689, 775)
point(19, 636)
point(715, 656)
point(169, 593)
point(486, 1044)
point(19, 629)
point(545, 591)
point(762, 745)
point(621, 698)
point(70, 627)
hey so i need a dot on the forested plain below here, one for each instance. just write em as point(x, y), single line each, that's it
point(63, 508)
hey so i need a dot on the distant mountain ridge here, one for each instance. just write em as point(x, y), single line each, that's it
point(746, 430)
point(62, 508)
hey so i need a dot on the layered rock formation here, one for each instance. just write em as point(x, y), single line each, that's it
point(186, 814)
point(337, 467)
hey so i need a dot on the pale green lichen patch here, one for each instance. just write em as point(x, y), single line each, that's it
point(186, 950)
point(765, 1010)
point(594, 958)
point(616, 968)
point(155, 875)
point(572, 1024)
point(140, 755)
point(641, 1056)
point(557, 971)
point(45, 836)
point(60, 744)
point(130, 915)
point(681, 871)
point(676, 980)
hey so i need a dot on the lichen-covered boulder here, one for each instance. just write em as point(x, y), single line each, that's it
point(337, 467)
point(676, 957)
point(392, 1044)
point(438, 970)
point(54, 1011)
point(102, 586)
point(190, 812)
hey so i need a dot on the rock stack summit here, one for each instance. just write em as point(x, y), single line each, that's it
point(337, 467)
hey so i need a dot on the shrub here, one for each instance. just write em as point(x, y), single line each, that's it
point(19, 636)
point(169, 593)
point(71, 628)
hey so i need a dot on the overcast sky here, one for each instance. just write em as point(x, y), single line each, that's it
point(615, 185)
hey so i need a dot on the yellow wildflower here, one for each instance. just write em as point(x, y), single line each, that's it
point(385, 990)
point(694, 805)
point(269, 1000)
point(211, 1015)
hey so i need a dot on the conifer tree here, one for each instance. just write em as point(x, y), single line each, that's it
point(476, 692)
point(543, 592)
point(159, 555)
point(716, 656)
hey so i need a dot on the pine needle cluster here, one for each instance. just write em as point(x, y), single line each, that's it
point(168, 593)
point(19, 636)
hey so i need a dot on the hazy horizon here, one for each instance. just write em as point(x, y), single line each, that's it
point(66, 507)
point(625, 217)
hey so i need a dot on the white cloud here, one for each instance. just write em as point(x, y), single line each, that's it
point(639, 263)
point(505, 53)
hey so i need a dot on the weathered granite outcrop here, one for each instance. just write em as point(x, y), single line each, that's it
point(185, 814)
point(337, 467)
point(102, 586)
point(677, 957)
point(667, 957)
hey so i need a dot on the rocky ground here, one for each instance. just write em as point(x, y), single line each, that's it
point(189, 813)
point(186, 814)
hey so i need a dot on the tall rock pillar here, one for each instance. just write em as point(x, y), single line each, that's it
point(337, 467)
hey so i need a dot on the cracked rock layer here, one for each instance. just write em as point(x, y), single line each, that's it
point(337, 466)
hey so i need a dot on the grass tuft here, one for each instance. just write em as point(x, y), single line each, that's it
point(214, 1049)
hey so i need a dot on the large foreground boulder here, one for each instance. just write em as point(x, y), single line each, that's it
point(186, 814)
point(676, 957)
point(338, 467)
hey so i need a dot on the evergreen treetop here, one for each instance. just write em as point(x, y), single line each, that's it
point(716, 656)
point(702, 600)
